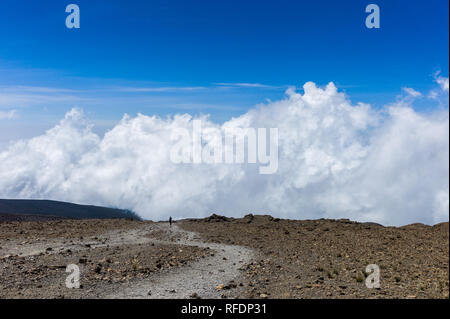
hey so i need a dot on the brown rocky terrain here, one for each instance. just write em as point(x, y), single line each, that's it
point(220, 257)
point(34, 256)
point(328, 258)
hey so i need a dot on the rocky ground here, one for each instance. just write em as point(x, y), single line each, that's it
point(328, 258)
point(27, 217)
point(219, 257)
point(109, 254)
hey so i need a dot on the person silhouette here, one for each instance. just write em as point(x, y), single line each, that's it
point(170, 221)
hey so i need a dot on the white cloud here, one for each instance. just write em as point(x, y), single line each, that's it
point(443, 87)
point(8, 115)
point(336, 160)
point(161, 89)
point(247, 85)
point(412, 92)
point(35, 89)
point(443, 82)
point(40, 96)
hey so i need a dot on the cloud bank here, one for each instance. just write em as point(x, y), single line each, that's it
point(336, 160)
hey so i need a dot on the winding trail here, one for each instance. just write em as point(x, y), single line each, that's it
point(200, 277)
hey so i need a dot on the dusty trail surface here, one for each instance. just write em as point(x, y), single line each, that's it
point(206, 278)
point(117, 259)
point(221, 257)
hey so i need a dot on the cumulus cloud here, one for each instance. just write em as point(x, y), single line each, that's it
point(336, 160)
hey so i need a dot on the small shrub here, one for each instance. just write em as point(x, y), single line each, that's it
point(135, 264)
point(359, 278)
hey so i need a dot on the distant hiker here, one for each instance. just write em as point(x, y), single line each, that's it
point(170, 221)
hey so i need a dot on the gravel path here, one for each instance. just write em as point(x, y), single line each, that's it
point(200, 278)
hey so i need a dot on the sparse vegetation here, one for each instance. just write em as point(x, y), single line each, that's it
point(334, 262)
point(360, 278)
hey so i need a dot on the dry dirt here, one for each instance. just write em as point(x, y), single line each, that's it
point(117, 259)
point(109, 253)
point(219, 257)
point(328, 258)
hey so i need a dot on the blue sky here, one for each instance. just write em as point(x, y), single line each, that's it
point(216, 57)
